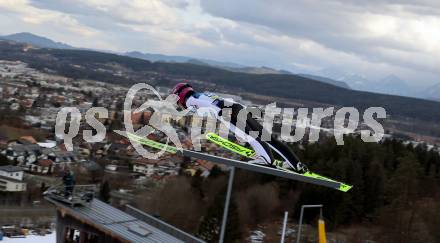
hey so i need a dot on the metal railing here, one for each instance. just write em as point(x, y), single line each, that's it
point(76, 194)
point(298, 238)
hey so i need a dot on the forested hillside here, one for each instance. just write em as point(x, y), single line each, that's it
point(395, 198)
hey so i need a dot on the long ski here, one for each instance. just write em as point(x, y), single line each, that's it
point(249, 153)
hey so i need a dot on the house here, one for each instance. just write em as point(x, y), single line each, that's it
point(90, 165)
point(140, 117)
point(98, 149)
point(161, 167)
point(3, 139)
point(118, 150)
point(206, 167)
point(48, 144)
point(63, 157)
point(27, 140)
point(145, 166)
point(11, 179)
point(27, 103)
point(24, 154)
point(111, 167)
point(3, 144)
point(42, 166)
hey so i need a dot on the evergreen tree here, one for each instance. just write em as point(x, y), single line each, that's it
point(209, 228)
point(104, 192)
point(3, 160)
point(356, 178)
point(197, 183)
point(402, 186)
point(374, 189)
point(215, 172)
point(95, 102)
point(401, 193)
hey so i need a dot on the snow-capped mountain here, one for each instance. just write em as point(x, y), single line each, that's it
point(432, 93)
point(392, 84)
point(355, 81)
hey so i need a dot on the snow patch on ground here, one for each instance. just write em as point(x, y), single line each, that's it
point(32, 238)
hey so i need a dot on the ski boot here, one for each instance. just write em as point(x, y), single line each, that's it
point(299, 168)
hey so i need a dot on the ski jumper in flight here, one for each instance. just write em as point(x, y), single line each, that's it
point(188, 98)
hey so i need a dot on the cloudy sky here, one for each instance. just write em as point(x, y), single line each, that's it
point(372, 38)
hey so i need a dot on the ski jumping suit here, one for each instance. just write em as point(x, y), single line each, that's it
point(261, 148)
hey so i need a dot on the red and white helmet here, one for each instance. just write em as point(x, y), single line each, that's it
point(183, 90)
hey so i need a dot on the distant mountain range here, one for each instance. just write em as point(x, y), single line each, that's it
point(44, 42)
point(36, 40)
point(124, 70)
point(230, 66)
point(326, 80)
point(433, 92)
point(391, 84)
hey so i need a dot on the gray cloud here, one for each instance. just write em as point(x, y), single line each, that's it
point(373, 38)
point(339, 25)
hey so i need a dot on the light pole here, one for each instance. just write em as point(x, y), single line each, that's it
point(226, 209)
point(283, 235)
point(301, 218)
